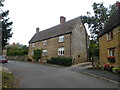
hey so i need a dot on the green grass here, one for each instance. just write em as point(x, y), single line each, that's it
point(7, 80)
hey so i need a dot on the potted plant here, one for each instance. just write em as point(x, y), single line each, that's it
point(111, 59)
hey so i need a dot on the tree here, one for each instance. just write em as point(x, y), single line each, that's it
point(6, 27)
point(17, 49)
point(100, 18)
point(37, 54)
point(93, 49)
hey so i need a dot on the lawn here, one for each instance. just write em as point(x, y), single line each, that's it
point(7, 80)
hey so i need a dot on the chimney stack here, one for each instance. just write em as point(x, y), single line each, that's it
point(13, 43)
point(37, 29)
point(62, 20)
point(118, 4)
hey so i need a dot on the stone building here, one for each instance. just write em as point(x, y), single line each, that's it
point(109, 40)
point(68, 39)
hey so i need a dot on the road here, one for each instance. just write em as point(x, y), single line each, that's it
point(32, 75)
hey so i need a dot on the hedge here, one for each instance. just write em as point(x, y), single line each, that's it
point(65, 61)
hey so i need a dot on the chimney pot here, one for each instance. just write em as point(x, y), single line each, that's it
point(37, 30)
point(13, 43)
point(62, 20)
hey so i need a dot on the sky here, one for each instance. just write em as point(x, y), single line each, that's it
point(27, 15)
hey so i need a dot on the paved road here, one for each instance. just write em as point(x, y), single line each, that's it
point(33, 75)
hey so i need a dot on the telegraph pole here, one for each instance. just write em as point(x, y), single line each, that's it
point(1, 27)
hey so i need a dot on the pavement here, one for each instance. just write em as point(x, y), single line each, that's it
point(87, 68)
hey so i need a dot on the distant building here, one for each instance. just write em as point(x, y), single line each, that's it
point(109, 40)
point(68, 39)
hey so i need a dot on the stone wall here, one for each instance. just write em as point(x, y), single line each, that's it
point(18, 58)
point(75, 45)
point(79, 43)
point(52, 47)
point(104, 45)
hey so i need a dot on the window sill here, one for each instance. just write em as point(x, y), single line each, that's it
point(109, 40)
point(60, 42)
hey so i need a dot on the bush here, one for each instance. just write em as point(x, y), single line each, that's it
point(60, 61)
point(37, 54)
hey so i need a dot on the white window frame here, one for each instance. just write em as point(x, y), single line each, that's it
point(109, 35)
point(44, 53)
point(44, 42)
point(61, 39)
point(111, 52)
point(61, 51)
point(32, 53)
point(33, 44)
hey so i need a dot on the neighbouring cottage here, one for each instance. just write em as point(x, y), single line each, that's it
point(68, 39)
point(109, 40)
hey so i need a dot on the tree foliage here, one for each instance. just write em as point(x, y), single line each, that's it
point(37, 54)
point(100, 18)
point(17, 49)
point(93, 49)
point(6, 26)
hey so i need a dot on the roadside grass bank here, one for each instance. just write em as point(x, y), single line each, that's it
point(7, 80)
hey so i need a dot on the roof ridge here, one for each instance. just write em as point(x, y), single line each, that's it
point(54, 31)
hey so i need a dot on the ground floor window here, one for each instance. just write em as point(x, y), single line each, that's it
point(32, 53)
point(111, 55)
point(44, 53)
point(111, 52)
point(61, 51)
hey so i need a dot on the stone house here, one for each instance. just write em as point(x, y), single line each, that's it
point(68, 39)
point(109, 40)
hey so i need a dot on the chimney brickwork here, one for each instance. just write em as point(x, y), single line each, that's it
point(62, 20)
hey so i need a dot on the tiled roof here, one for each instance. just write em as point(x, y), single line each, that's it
point(54, 31)
point(114, 21)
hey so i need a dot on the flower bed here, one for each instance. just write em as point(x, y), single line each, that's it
point(110, 68)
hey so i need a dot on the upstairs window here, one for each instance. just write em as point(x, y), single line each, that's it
point(110, 35)
point(61, 51)
point(44, 42)
point(33, 44)
point(61, 38)
point(44, 53)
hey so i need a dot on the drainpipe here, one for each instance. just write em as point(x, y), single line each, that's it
point(70, 45)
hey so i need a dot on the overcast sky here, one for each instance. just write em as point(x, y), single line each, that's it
point(29, 14)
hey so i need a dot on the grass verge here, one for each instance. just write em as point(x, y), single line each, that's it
point(7, 80)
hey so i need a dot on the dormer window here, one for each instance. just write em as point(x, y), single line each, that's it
point(61, 38)
point(109, 35)
point(44, 42)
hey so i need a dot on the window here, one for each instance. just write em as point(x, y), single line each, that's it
point(110, 35)
point(61, 38)
point(44, 53)
point(33, 44)
point(44, 42)
point(61, 51)
point(32, 53)
point(111, 52)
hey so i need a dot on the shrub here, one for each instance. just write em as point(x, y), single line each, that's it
point(60, 61)
point(37, 54)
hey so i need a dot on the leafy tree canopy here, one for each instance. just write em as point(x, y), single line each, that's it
point(17, 49)
point(6, 26)
point(100, 18)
